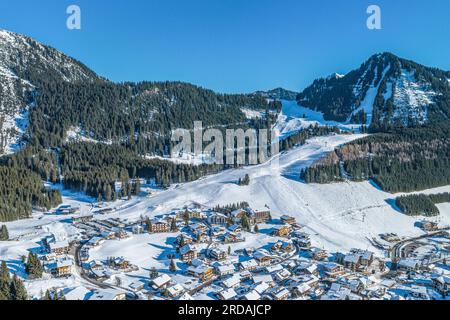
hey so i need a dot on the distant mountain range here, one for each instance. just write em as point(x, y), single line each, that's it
point(44, 95)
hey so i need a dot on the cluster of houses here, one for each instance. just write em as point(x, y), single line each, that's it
point(56, 258)
point(288, 266)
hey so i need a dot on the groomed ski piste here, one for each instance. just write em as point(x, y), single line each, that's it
point(338, 216)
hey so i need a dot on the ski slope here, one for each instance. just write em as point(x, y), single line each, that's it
point(339, 216)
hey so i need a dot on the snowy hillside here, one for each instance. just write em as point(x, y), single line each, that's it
point(385, 89)
point(22, 61)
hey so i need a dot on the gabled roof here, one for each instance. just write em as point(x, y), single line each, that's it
point(161, 280)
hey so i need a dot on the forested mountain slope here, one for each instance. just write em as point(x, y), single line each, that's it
point(385, 92)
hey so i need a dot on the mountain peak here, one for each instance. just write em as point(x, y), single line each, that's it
point(384, 91)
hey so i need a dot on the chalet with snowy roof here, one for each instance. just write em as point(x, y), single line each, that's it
point(288, 219)
point(333, 269)
point(301, 289)
point(442, 285)
point(108, 295)
point(419, 292)
point(408, 265)
point(306, 268)
point(429, 226)
point(198, 228)
point(60, 247)
point(187, 253)
point(251, 265)
point(232, 282)
point(95, 242)
point(183, 239)
point(258, 216)
point(283, 246)
point(160, 282)
point(120, 263)
point(266, 278)
point(282, 230)
point(204, 273)
point(318, 254)
point(136, 286)
point(95, 265)
point(252, 296)
point(159, 226)
point(235, 228)
point(60, 267)
point(217, 254)
point(67, 210)
point(176, 290)
point(282, 275)
point(261, 287)
point(263, 257)
point(232, 237)
point(82, 219)
point(190, 214)
point(225, 270)
point(280, 293)
point(238, 214)
point(227, 294)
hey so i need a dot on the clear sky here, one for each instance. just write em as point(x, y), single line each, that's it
point(234, 45)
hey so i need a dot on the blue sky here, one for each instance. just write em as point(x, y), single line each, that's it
point(234, 45)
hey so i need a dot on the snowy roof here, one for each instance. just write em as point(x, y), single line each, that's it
point(185, 249)
point(106, 294)
point(59, 245)
point(228, 294)
point(175, 290)
point(231, 282)
point(185, 297)
point(303, 288)
point(262, 278)
point(351, 258)
point(249, 264)
point(252, 295)
point(281, 293)
point(261, 287)
point(77, 293)
point(408, 263)
point(274, 268)
point(225, 269)
point(161, 280)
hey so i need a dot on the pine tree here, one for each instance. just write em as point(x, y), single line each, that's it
point(4, 235)
point(245, 223)
point(17, 289)
point(172, 266)
point(33, 266)
point(4, 281)
point(173, 225)
point(153, 273)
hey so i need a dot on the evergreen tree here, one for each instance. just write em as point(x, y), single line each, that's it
point(172, 266)
point(17, 289)
point(4, 235)
point(33, 266)
point(153, 273)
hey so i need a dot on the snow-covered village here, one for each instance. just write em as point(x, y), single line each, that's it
point(214, 239)
point(198, 155)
